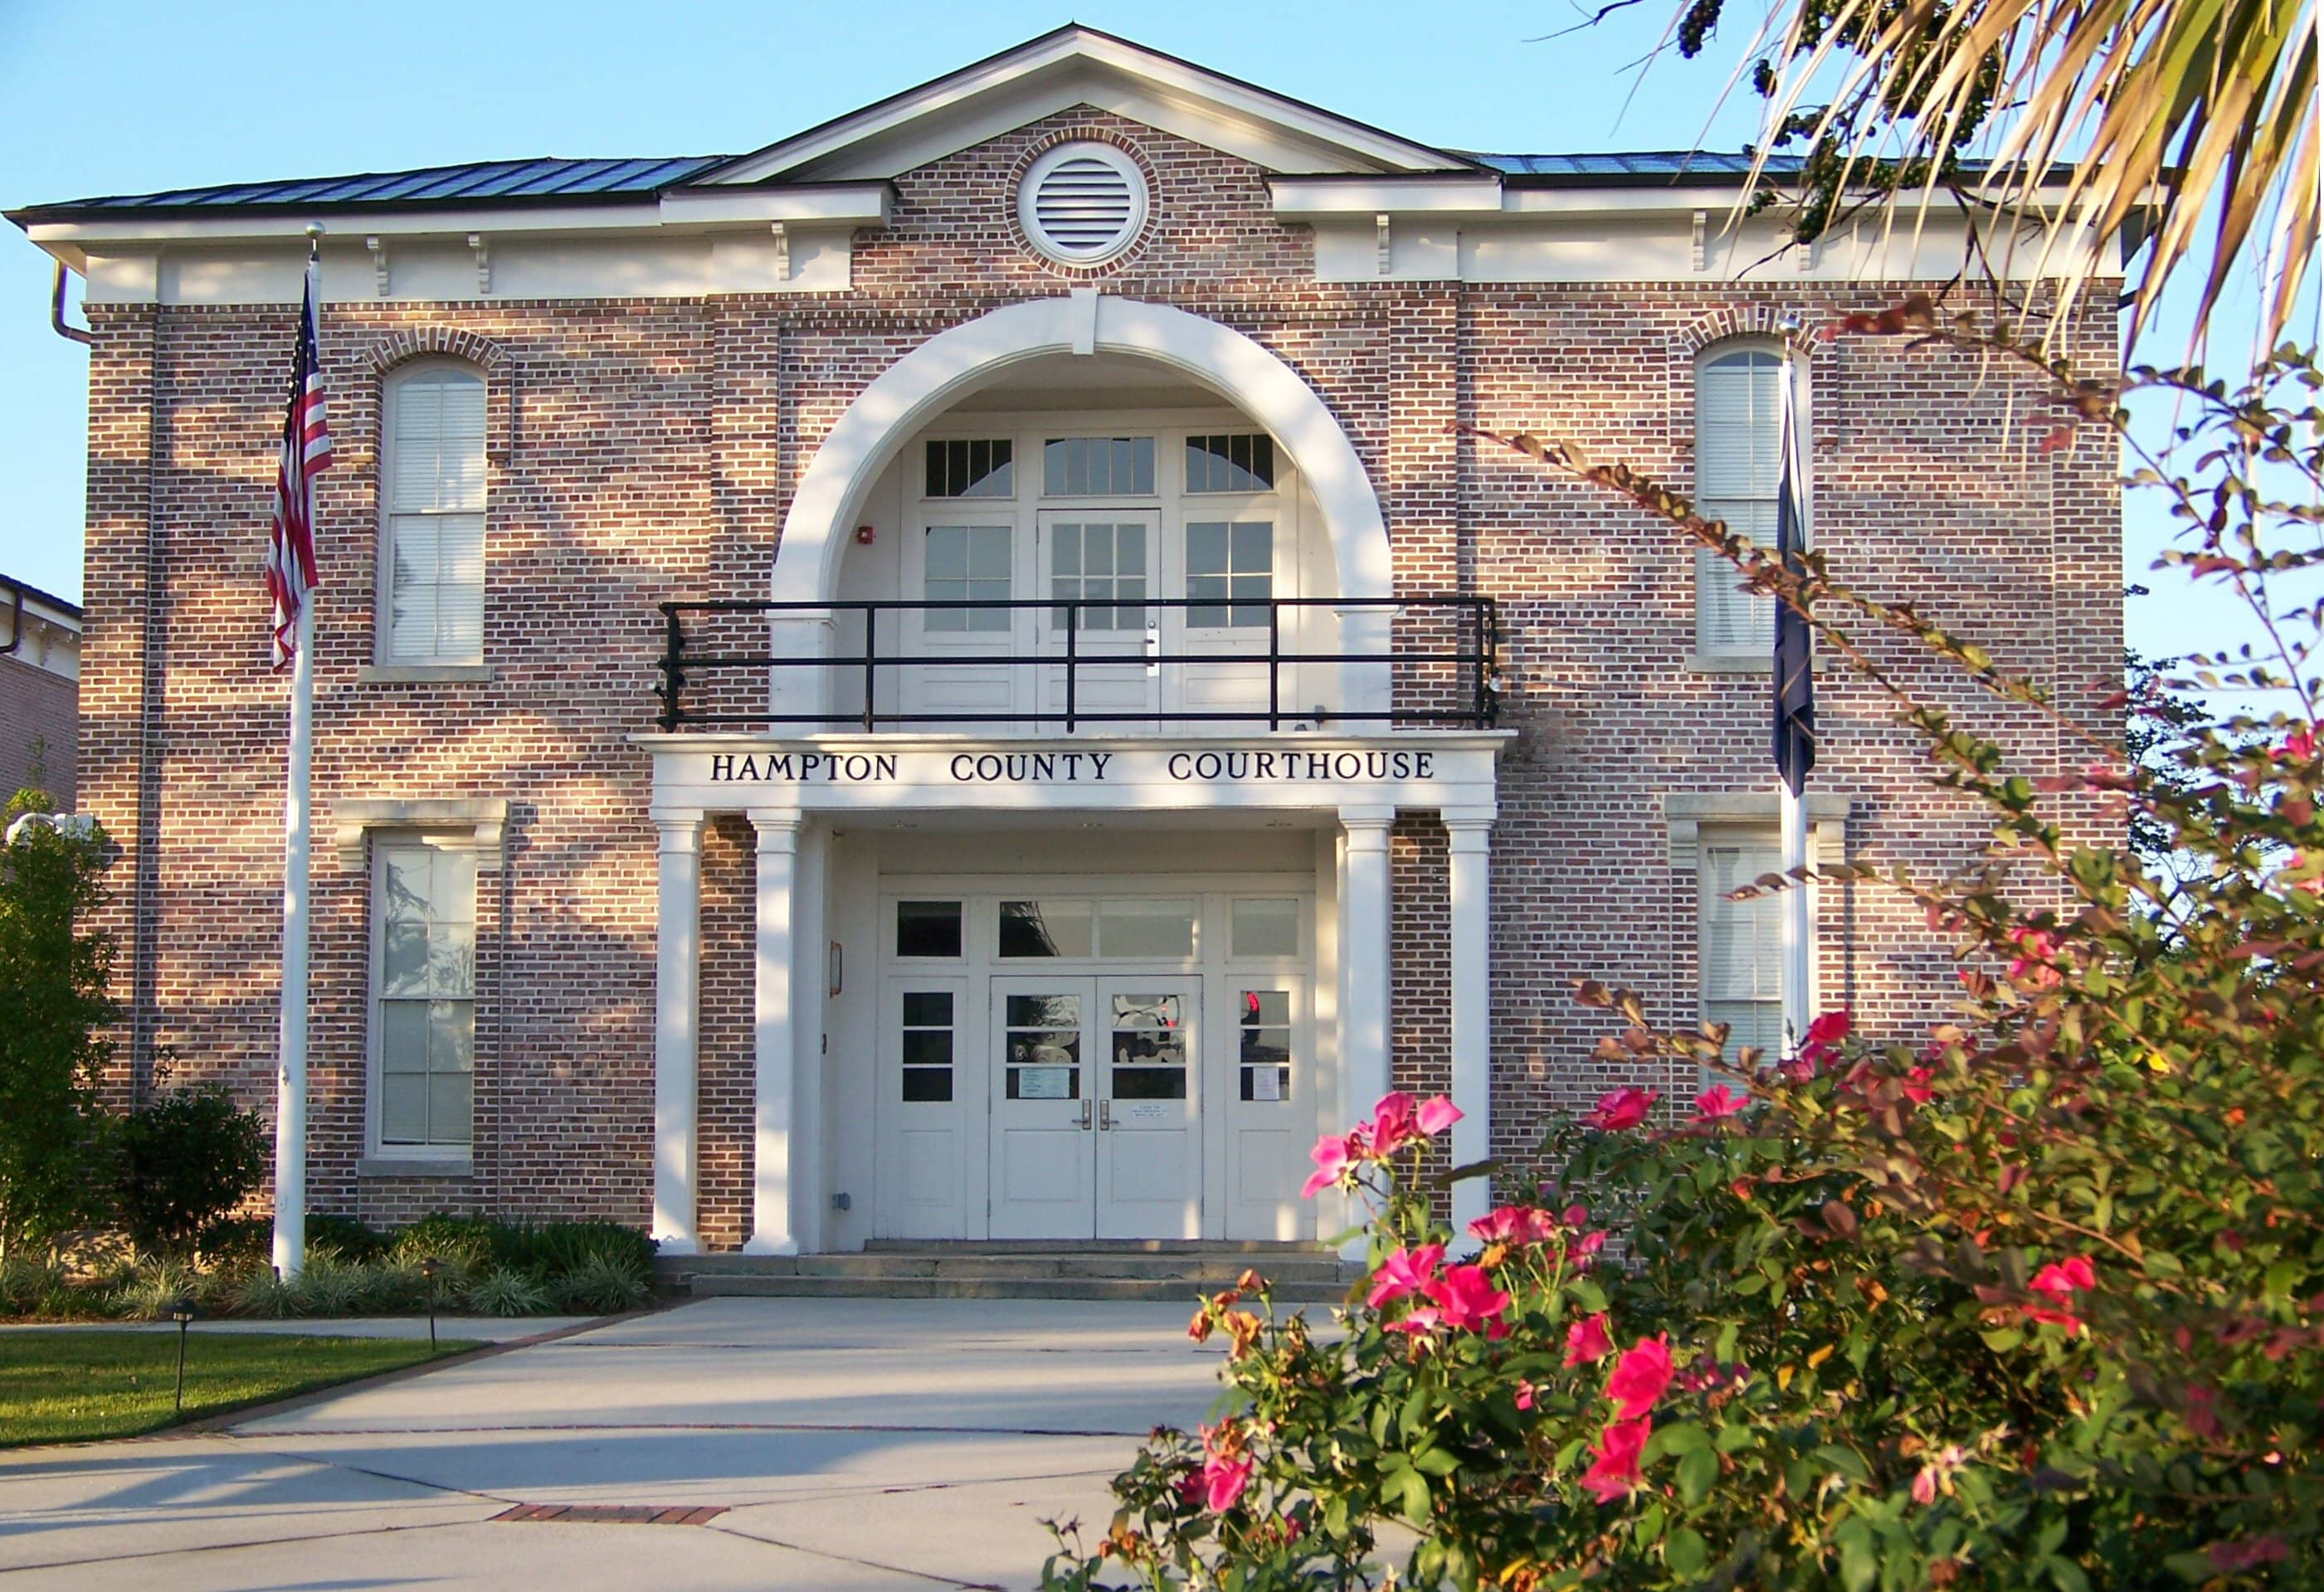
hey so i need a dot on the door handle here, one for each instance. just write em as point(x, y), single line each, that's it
point(1085, 1117)
point(1105, 1116)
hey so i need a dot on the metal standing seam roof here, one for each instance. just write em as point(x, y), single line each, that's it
point(551, 180)
point(1646, 165)
point(495, 182)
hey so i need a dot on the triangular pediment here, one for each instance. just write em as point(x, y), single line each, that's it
point(1080, 66)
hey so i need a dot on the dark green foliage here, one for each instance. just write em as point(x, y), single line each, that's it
point(54, 1010)
point(342, 1237)
point(186, 1159)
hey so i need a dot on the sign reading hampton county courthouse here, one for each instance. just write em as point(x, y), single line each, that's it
point(1437, 770)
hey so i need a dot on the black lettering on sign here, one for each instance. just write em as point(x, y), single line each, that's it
point(760, 767)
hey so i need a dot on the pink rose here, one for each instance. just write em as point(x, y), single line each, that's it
point(1640, 1376)
point(1623, 1109)
point(2061, 1279)
point(1438, 1114)
point(1587, 1340)
point(1712, 1104)
point(1333, 1154)
point(1392, 1125)
point(1468, 1302)
point(1514, 1224)
point(1405, 1272)
point(1619, 1448)
point(1224, 1477)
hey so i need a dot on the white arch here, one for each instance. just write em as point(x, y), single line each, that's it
point(925, 382)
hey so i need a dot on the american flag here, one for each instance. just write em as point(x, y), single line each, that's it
point(306, 449)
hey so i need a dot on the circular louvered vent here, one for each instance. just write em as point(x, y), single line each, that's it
point(1082, 204)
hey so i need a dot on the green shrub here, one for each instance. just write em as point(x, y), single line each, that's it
point(184, 1160)
point(391, 1289)
point(330, 1286)
point(235, 1240)
point(557, 1248)
point(258, 1292)
point(54, 1013)
point(600, 1286)
point(30, 1287)
point(342, 1238)
point(153, 1287)
point(468, 1242)
point(503, 1292)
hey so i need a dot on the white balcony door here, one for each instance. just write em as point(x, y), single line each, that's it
point(1106, 562)
point(1234, 563)
point(964, 557)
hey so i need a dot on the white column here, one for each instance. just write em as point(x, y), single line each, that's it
point(776, 1009)
point(1364, 950)
point(677, 983)
point(1470, 836)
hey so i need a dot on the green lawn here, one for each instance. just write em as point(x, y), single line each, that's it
point(74, 1386)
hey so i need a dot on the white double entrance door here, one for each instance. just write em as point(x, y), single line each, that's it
point(1096, 1109)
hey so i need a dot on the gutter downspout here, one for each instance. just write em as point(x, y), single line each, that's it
point(80, 334)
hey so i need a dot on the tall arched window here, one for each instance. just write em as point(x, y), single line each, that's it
point(1738, 467)
point(433, 512)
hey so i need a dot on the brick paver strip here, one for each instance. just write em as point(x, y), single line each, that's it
point(616, 1513)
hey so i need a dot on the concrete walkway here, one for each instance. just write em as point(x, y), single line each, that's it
point(848, 1444)
point(473, 1329)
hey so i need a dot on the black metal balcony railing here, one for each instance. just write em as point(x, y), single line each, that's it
point(1444, 651)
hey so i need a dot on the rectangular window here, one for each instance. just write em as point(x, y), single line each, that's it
point(928, 928)
point(1099, 562)
point(1047, 928)
point(1737, 466)
point(1240, 463)
point(973, 469)
point(1264, 1057)
point(1740, 946)
point(1098, 467)
point(927, 1046)
point(424, 993)
point(1162, 929)
point(433, 466)
point(1042, 1049)
point(1229, 560)
point(967, 564)
point(1264, 929)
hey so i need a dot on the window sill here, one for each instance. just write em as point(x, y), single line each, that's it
point(414, 1166)
point(420, 674)
point(1741, 663)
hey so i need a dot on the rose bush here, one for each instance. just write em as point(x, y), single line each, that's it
point(2031, 1297)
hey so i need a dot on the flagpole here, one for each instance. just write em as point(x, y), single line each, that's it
point(291, 1067)
point(1793, 810)
point(290, 1072)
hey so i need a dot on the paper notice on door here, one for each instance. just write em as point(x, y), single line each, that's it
point(1149, 1111)
point(1045, 1083)
point(1266, 1084)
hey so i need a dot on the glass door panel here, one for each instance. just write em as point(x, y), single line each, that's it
point(1042, 1165)
point(1103, 563)
point(1150, 1164)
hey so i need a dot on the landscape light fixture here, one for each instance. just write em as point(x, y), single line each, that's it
point(183, 1311)
point(427, 1269)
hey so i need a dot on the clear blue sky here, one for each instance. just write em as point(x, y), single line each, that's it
point(231, 91)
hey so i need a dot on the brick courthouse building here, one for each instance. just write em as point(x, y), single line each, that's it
point(1110, 723)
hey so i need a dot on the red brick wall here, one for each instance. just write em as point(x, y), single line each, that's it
point(646, 450)
point(40, 725)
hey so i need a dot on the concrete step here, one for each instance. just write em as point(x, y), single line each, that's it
point(1299, 1274)
point(1168, 1291)
point(1244, 1247)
